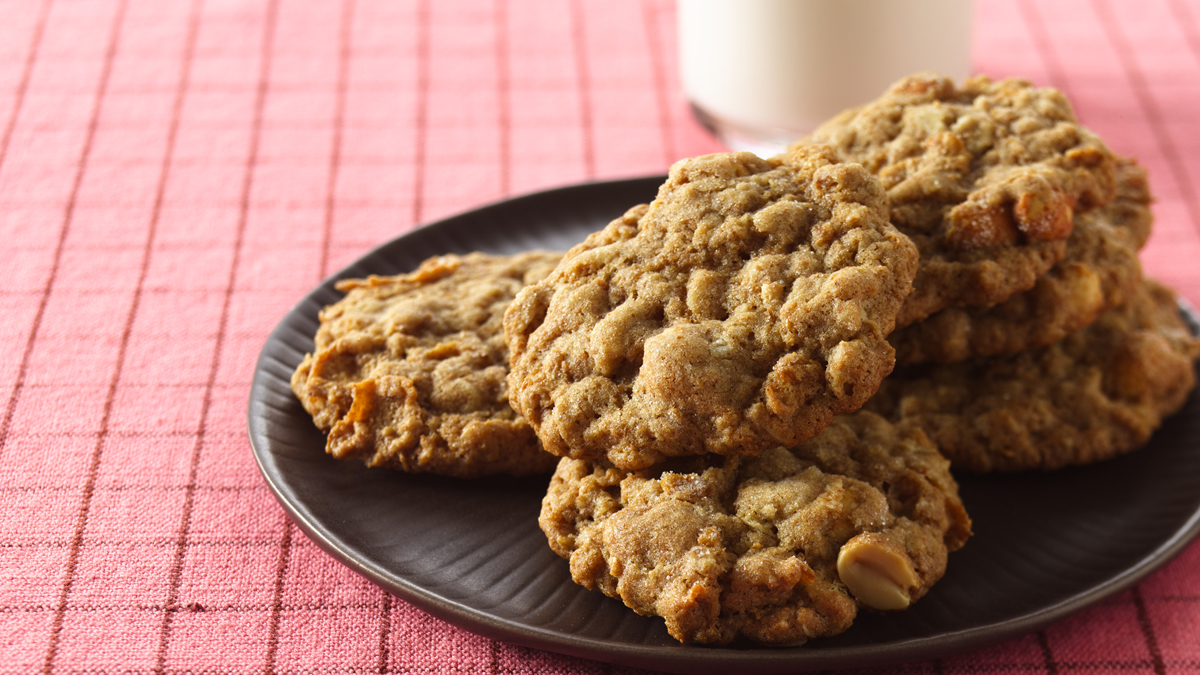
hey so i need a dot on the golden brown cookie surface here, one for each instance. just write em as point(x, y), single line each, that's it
point(742, 309)
point(409, 371)
point(776, 548)
point(1100, 270)
point(1097, 393)
point(985, 179)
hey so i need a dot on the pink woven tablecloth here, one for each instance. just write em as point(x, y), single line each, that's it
point(175, 175)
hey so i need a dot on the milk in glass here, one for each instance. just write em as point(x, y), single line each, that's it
point(760, 73)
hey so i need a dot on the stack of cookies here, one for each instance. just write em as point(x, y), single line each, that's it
point(1032, 340)
point(710, 377)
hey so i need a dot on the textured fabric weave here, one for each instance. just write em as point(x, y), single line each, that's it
point(175, 175)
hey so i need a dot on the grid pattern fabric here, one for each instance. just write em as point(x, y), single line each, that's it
point(175, 175)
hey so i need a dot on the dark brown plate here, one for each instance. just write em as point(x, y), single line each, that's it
point(471, 553)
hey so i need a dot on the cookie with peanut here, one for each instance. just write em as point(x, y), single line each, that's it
point(986, 179)
point(778, 548)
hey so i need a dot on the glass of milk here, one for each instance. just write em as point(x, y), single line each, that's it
point(761, 73)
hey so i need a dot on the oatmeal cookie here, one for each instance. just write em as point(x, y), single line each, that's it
point(1101, 270)
point(776, 548)
point(409, 371)
point(742, 309)
point(1098, 393)
point(985, 179)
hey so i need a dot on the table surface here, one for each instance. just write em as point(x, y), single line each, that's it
point(174, 176)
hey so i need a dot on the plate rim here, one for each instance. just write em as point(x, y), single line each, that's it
point(687, 657)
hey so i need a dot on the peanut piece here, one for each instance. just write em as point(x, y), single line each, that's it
point(1044, 217)
point(877, 574)
point(976, 224)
